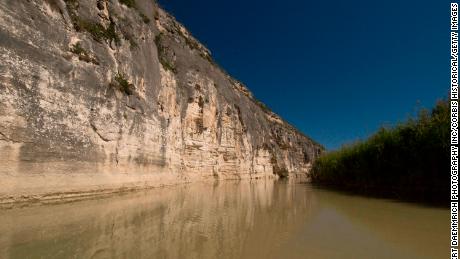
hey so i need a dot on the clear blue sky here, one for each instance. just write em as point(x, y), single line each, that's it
point(337, 70)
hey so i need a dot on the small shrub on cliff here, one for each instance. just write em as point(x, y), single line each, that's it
point(78, 49)
point(132, 4)
point(144, 17)
point(132, 42)
point(122, 84)
point(129, 3)
point(262, 106)
point(71, 4)
point(156, 14)
point(82, 54)
point(97, 30)
point(163, 55)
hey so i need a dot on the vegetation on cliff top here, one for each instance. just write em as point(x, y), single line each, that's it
point(409, 161)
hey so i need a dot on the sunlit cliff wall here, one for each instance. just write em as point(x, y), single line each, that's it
point(102, 95)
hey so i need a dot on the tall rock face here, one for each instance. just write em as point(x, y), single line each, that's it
point(98, 96)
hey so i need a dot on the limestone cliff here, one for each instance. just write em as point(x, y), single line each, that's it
point(99, 96)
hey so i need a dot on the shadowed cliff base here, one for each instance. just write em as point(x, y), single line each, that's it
point(407, 162)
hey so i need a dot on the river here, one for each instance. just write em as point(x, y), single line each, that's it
point(227, 219)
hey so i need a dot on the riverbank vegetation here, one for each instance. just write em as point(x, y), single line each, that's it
point(408, 161)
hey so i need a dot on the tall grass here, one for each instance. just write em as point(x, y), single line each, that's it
point(410, 160)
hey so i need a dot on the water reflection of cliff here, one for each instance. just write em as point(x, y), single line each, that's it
point(209, 220)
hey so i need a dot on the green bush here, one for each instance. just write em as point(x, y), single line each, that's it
point(132, 4)
point(163, 54)
point(410, 160)
point(83, 54)
point(129, 3)
point(78, 49)
point(123, 85)
point(144, 17)
point(97, 31)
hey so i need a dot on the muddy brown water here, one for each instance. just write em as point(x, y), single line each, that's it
point(228, 219)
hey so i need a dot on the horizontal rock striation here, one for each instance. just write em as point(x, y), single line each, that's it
point(98, 96)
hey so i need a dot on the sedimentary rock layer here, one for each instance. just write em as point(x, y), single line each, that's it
point(101, 96)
